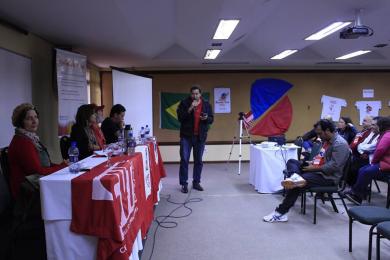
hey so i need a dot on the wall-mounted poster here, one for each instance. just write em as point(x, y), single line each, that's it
point(222, 100)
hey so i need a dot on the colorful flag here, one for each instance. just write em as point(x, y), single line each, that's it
point(271, 109)
point(169, 103)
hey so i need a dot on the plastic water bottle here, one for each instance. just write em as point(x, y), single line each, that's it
point(147, 132)
point(131, 143)
point(73, 153)
point(121, 140)
point(142, 135)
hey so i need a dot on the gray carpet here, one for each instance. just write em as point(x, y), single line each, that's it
point(228, 224)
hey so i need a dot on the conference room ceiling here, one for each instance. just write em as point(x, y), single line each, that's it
point(175, 34)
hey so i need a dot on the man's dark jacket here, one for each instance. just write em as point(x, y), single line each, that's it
point(187, 119)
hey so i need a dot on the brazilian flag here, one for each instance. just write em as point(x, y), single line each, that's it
point(169, 104)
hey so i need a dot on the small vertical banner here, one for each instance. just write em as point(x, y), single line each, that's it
point(222, 100)
point(72, 87)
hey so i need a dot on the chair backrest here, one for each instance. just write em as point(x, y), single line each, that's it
point(346, 169)
point(5, 189)
point(4, 164)
point(64, 146)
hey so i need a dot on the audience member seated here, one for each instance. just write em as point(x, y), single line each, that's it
point(360, 136)
point(328, 174)
point(95, 127)
point(82, 131)
point(346, 129)
point(379, 163)
point(363, 147)
point(310, 139)
point(112, 125)
point(26, 154)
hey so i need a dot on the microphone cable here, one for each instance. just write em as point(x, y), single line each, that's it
point(162, 222)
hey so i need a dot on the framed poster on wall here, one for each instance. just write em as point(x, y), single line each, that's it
point(222, 101)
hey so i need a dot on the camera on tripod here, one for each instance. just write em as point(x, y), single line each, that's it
point(241, 115)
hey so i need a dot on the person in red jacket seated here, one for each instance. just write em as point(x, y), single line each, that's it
point(26, 154)
point(380, 164)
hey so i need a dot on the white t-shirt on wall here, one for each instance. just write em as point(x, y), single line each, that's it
point(331, 106)
point(368, 108)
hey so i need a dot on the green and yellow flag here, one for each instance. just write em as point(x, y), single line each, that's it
point(169, 103)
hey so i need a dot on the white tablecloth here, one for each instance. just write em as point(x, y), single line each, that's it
point(267, 165)
point(56, 203)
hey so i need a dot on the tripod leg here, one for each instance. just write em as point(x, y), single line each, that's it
point(231, 149)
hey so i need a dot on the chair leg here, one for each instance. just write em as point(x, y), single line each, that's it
point(370, 241)
point(350, 235)
point(388, 195)
point(343, 201)
point(369, 193)
point(333, 203)
point(378, 244)
point(315, 209)
point(304, 203)
point(377, 186)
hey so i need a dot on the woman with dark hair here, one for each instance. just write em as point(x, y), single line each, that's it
point(82, 131)
point(26, 154)
point(346, 129)
point(380, 163)
point(95, 127)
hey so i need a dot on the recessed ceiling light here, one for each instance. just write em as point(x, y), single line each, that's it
point(283, 54)
point(353, 54)
point(327, 30)
point(225, 29)
point(211, 54)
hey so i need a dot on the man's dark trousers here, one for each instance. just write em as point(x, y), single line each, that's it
point(186, 144)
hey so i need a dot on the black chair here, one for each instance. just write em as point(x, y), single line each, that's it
point(328, 190)
point(4, 164)
point(64, 146)
point(368, 215)
point(383, 177)
point(383, 231)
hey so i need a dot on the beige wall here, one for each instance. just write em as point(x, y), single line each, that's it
point(44, 95)
point(305, 96)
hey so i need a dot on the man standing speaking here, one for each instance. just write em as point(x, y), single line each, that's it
point(195, 115)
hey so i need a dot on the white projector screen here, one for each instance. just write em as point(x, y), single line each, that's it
point(135, 94)
point(15, 88)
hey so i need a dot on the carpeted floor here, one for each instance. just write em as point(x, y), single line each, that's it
point(227, 223)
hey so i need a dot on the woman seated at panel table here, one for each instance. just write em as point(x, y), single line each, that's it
point(82, 131)
point(26, 154)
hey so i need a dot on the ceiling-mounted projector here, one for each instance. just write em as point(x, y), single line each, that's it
point(357, 30)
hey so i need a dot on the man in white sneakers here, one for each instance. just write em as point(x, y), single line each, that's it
point(327, 174)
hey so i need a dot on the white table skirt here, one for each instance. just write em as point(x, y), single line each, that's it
point(267, 165)
point(56, 203)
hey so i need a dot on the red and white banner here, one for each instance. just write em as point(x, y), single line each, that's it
point(109, 203)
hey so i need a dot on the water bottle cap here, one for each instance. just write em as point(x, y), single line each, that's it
point(142, 127)
point(73, 144)
point(147, 126)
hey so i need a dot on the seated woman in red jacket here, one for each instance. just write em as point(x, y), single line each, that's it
point(26, 154)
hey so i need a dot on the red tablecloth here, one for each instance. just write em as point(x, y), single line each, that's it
point(110, 202)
